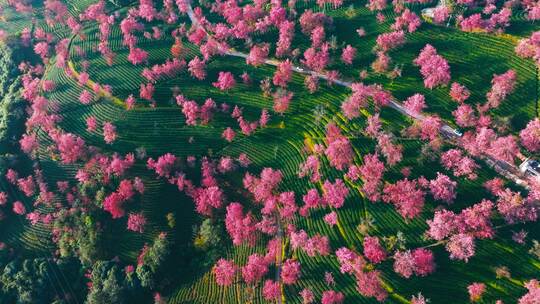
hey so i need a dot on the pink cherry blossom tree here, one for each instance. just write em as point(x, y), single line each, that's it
point(459, 164)
point(459, 93)
point(27, 185)
point(529, 47)
point(516, 209)
point(271, 290)
point(317, 36)
point(83, 78)
point(317, 60)
point(225, 81)
point(501, 86)
point(461, 247)
point(473, 22)
point(164, 164)
point(404, 263)
point(286, 35)
point(109, 132)
point(332, 297)
point(407, 196)
point(311, 83)
point(29, 143)
point(146, 91)
point(307, 296)
point(533, 293)
point(348, 54)
point(356, 101)
point(86, 97)
point(372, 171)
point(255, 269)
point(369, 284)
point(136, 222)
point(258, 54)
point(331, 218)
point(137, 56)
point(283, 74)
point(433, 67)
point(424, 261)
point(465, 116)
point(130, 102)
point(530, 136)
point(441, 14)
point(391, 151)
point(228, 134)
point(310, 167)
point(335, 193)
point(373, 250)
point(91, 124)
point(290, 271)
point(382, 63)
point(282, 99)
point(408, 21)
point(415, 104)
point(3, 198)
point(42, 49)
point(443, 188)
point(240, 226)
point(197, 68)
point(71, 147)
point(339, 150)
point(18, 208)
point(376, 5)
point(389, 41)
point(504, 148)
point(225, 272)
point(476, 290)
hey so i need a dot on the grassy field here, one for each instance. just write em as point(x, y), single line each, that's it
point(473, 58)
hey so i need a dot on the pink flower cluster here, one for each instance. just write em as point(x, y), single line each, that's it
point(71, 147)
point(443, 188)
point(109, 132)
point(373, 250)
point(461, 229)
point(529, 47)
point(433, 67)
point(530, 136)
point(407, 196)
point(533, 293)
point(136, 222)
point(164, 165)
point(240, 226)
point(225, 272)
point(408, 20)
point(317, 59)
point(169, 69)
point(459, 92)
point(420, 262)
point(460, 164)
point(359, 99)
point(476, 290)
point(225, 81)
point(193, 112)
point(389, 41)
point(501, 86)
point(372, 171)
point(312, 246)
point(334, 194)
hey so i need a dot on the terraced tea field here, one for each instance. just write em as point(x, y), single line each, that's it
point(159, 127)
